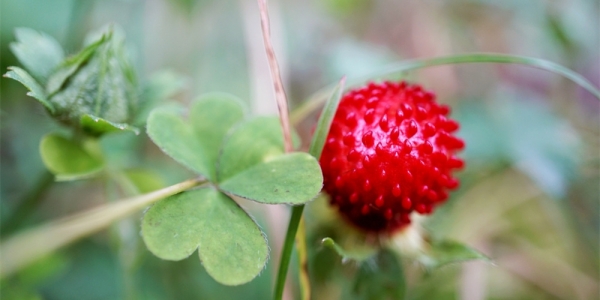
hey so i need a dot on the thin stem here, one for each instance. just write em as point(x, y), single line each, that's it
point(276, 75)
point(285, 125)
point(303, 260)
point(286, 252)
point(318, 98)
point(316, 147)
point(25, 248)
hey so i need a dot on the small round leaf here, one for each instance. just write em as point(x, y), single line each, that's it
point(67, 159)
point(231, 246)
point(211, 117)
point(293, 178)
point(174, 137)
point(196, 143)
point(250, 143)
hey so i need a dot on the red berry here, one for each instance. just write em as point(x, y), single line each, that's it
point(390, 151)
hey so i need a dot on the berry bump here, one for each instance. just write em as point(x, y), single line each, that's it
point(390, 151)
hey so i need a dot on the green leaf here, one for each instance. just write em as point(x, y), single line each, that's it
point(38, 52)
point(293, 178)
point(96, 126)
point(174, 137)
point(72, 64)
point(327, 115)
point(211, 117)
point(231, 246)
point(357, 253)
point(35, 90)
point(446, 252)
point(99, 81)
point(250, 143)
point(68, 160)
point(195, 145)
point(381, 278)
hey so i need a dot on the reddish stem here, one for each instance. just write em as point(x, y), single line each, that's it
point(276, 75)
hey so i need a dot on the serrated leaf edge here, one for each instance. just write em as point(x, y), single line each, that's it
point(39, 95)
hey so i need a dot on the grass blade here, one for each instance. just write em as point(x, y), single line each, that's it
point(320, 135)
point(408, 65)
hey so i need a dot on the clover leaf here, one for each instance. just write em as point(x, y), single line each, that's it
point(238, 157)
point(195, 142)
point(232, 248)
point(293, 178)
point(253, 165)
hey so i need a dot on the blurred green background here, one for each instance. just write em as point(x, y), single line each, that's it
point(529, 197)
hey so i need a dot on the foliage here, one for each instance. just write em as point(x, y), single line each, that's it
point(531, 138)
point(94, 90)
point(243, 158)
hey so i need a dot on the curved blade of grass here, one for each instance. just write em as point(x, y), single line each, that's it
point(408, 65)
point(316, 147)
point(491, 58)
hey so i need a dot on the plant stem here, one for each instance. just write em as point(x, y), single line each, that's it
point(286, 252)
point(316, 147)
point(318, 98)
point(282, 105)
point(25, 248)
point(303, 260)
point(276, 75)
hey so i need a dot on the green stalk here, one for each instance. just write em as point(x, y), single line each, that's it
point(26, 247)
point(282, 105)
point(316, 147)
point(286, 252)
point(303, 260)
point(408, 65)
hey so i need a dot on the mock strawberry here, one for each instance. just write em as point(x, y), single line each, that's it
point(390, 151)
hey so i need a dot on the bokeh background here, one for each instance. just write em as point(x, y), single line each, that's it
point(529, 196)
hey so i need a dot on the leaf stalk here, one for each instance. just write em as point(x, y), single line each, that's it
point(26, 247)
